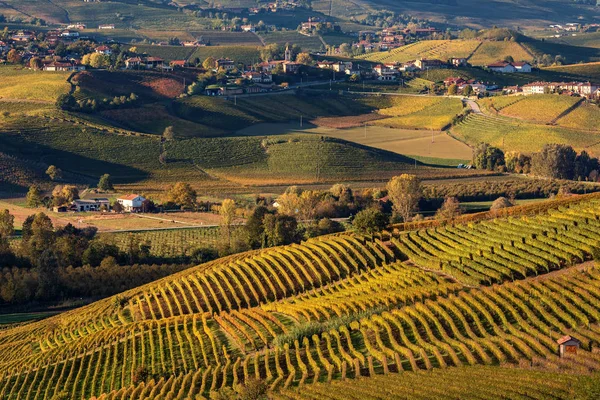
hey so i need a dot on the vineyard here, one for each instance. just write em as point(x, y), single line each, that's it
point(25, 84)
point(540, 108)
point(167, 243)
point(421, 113)
point(468, 301)
point(519, 135)
point(437, 49)
point(491, 51)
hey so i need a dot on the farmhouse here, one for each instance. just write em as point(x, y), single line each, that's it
point(384, 73)
point(568, 345)
point(81, 205)
point(248, 28)
point(106, 26)
point(337, 66)
point(502, 67)
point(132, 202)
point(54, 66)
point(425, 64)
point(23, 36)
point(153, 62)
point(69, 34)
point(77, 25)
point(458, 61)
point(289, 67)
point(133, 62)
point(107, 51)
point(225, 63)
point(178, 64)
point(258, 77)
point(523, 67)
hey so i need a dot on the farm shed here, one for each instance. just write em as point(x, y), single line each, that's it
point(568, 345)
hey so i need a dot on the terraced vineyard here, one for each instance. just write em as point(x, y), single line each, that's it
point(438, 49)
point(415, 113)
point(540, 108)
point(317, 315)
point(519, 135)
point(491, 51)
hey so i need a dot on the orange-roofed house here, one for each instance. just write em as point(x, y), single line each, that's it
point(131, 202)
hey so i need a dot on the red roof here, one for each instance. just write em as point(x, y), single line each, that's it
point(129, 197)
point(102, 48)
point(499, 64)
point(566, 339)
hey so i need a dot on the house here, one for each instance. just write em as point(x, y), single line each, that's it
point(384, 73)
point(425, 31)
point(226, 64)
point(584, 89)
point(153, 62)
point(454, 81)
point(133, 62)
point(248, 28)
point(77, 25)
point(289, 67)
point(535, 88)
point(107, 51)
point(408, 67)
point(568, 345)
point(307, 26)
point(178, 64)
point(81, 205)
point(425, 64)
point(503, 67)
point(194, 43)
point(23, 36)
point(523, 67)
point(269, 66)
point(132, 202)
point(3, 46)
point(106, 26)
point(69, 34)
point(458, 61)
point(54, 66)
point(253, 76)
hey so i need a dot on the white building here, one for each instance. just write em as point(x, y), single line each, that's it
point(82, 205)
point(132, 202)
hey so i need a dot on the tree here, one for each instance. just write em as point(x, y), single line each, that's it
point(488, 157)
point(117, 207)
point(105, 183)
point(467, 90)
point(168, 133)
point(54, 173)
point(281, 230)
point(450, 209)
point(36, 64)
point(64, 194)
point(509, 59)
point(554, 161)
point(405, 192)
point(452, 90)
point(98, 60)
point(345, 49)
point(34, 197)
point(227, 212)
point(7, 224)
point(209, 63)
point(14, 57)
point(370, 221)
point(500, 203)
point(254, 228)
point(66, 102)
point(304, 58)
point(182, 194)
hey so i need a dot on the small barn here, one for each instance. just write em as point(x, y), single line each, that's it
point(568, 345)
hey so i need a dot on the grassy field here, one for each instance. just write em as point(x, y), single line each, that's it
point(490, 52)
point(414, 143)
point(220, 38)
point(589, 71)
point(23, 84)
point(478, 301)
point(292, 37)
point(540, 108)
point(241, 53)
point(571, 54)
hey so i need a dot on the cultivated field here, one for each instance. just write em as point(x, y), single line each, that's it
point(490, 52)
point(540, 108)
point(518, 135)
point(440, 49)
point(586, 116)
point(475, 297)
point(413, 113)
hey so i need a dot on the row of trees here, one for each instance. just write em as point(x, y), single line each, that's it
point(558, 161)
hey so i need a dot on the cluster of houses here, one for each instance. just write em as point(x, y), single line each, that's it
point(588, 90)
point(129, 203)
point(390, 38)
point(478, 87)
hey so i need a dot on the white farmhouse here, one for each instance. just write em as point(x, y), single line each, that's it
point(132, 202)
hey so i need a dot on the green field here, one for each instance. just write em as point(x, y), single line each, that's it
point(490, 52)
point(17, 83)
point(436, 116)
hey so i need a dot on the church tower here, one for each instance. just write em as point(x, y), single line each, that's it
point(288, 54)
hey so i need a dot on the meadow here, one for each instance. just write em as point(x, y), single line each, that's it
point(478, 299)
point(17, 83)
point(490, 52)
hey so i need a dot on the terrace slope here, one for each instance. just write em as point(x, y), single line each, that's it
point(332, 308)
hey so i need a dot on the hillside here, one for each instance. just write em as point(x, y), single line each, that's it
point(337, 308)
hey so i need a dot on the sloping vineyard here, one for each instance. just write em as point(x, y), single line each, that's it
point(332, 309)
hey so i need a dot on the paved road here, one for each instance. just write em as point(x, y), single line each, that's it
point(474, 106)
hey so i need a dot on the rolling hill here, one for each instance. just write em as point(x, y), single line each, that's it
point(462, 302)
